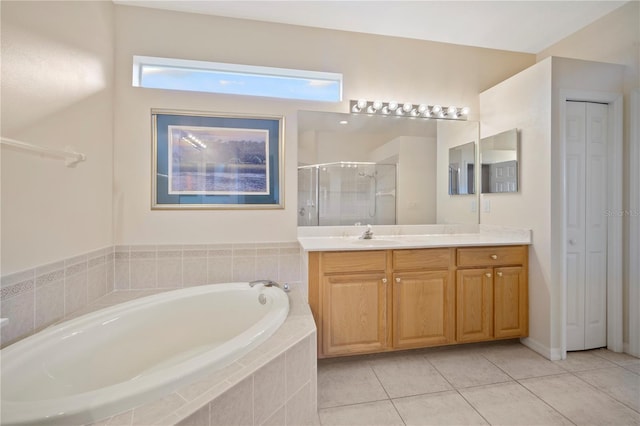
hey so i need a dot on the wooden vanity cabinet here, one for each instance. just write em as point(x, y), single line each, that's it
point(352, 300)
point(423, 297)
point(491, 293)
point(382, 300)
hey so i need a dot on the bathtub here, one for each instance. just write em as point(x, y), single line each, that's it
point(116, 358)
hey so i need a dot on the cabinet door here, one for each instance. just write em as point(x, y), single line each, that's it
point(474, 305)
point(511, 309)
point(423, 309)
point(354, 314)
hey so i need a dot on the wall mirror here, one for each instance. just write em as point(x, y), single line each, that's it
point(462, 160)
point(499, 159)
point(379, 170)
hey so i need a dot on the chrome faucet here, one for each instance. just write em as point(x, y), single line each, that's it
point(368, 234)
point(266, 283)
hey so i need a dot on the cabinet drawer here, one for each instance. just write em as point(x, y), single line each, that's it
point(491, 256)
point(438, 258)
point(354, 261)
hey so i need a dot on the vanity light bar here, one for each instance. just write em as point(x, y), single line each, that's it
point(362, 106)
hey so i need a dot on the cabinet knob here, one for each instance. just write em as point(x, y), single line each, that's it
point(384, 281)
point(499, 274)
point(397, 280)
point(488, 274)
point(494, 256)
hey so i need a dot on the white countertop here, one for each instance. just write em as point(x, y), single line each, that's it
point(389, 237)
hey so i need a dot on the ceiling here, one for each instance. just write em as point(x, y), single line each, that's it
point(520, 26)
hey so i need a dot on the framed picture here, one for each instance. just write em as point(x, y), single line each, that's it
point(217, 161)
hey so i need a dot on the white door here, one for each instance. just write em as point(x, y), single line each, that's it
point(586, 225)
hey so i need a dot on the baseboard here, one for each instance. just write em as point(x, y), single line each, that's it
point(629, 351)
point(553, 354)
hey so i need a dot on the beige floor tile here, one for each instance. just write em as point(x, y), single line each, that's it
point(580, 402)
point(408, 374)
point(443, 408)
point(347, 382)
point(580, 361)
point(633, 367)
point(467, 368)
point(617, 357)
point(621, 384)
point(381, 413)
point(511, 404)
point(521, 362)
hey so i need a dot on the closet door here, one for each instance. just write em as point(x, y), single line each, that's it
point(586, 225)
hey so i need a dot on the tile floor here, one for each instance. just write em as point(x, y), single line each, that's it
point(502, 383)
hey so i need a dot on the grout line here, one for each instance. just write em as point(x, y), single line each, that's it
point(458, 391)
point(388, 396)
point(602, 390)
point(353, 404)
point(545, 402)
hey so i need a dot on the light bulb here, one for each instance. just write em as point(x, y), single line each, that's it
point(422, 108)
point(452, 111)
point(407, 107)
point(392, 105)
point(377, 105)
point(436, 109)
point(361, 103)
point(399, 111)
point(464, 111)
point(371, 109)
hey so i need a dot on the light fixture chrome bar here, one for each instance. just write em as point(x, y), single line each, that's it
point(362, 106)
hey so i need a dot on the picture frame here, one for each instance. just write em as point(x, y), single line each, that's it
point(207, 160)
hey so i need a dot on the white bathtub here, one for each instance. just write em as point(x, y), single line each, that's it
point(114, 359)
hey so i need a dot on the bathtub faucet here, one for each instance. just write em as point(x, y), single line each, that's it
point(266, 283)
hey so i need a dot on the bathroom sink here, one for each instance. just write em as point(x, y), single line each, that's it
point(372, 243)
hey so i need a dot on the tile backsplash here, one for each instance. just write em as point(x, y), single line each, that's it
point(47, 294)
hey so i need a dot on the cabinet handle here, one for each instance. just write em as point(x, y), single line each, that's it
point(397, 280)
point(499, 274)
point(488, 274)
point(494, 256)
point(384, 281)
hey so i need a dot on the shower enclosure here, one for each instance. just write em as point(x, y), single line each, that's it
point(347, 193)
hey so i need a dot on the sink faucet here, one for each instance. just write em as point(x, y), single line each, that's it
point(368, 234)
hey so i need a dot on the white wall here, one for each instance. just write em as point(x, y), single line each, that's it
point(530, 101)
point(373, 67)
point(524, 101)
point(57, 91)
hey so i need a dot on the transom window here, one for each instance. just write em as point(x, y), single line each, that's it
point(236, 79)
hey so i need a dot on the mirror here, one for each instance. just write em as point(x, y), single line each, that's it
point(499, 162)
point(462, 160)
point(367, 169)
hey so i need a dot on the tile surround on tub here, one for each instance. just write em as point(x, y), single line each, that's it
point(44, 295)
point(175, 266)
point(41, 296)
point(273, 384)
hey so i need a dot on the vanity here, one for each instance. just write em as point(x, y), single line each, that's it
point(431, 275)
point(406, 291)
